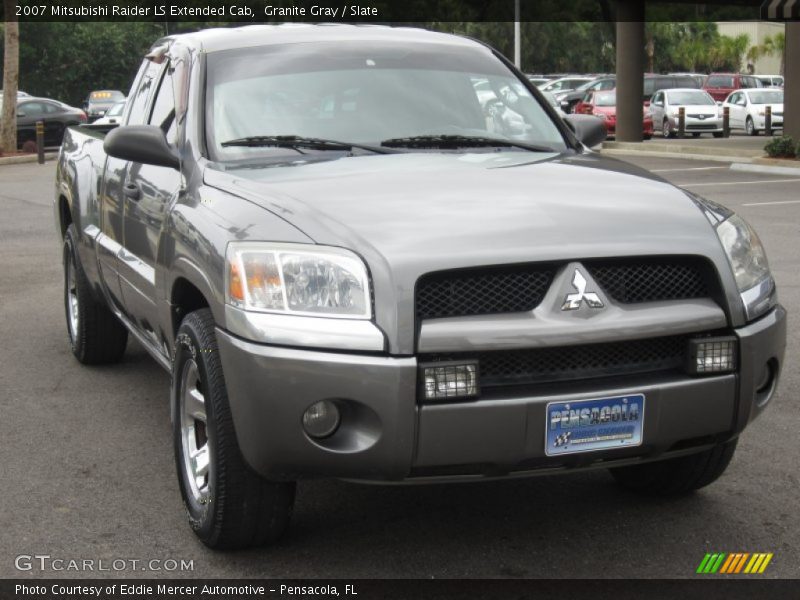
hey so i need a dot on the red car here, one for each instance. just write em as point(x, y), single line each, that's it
point(720, 85)
point(604, 106)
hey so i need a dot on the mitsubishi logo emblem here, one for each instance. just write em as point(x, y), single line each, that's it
point(573, 301)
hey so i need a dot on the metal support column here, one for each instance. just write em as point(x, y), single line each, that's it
point(630, 70)
point(791, 91)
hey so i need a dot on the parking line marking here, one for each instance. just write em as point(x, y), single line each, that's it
point(690, 169)
point(737, 182)
point(776, 202)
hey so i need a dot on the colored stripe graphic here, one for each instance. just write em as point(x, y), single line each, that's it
point(734, 563)
point(754, 563)
point(718, 563)
point(703, 563)
point(740, 564)
point(727, 564)
point(765, 563)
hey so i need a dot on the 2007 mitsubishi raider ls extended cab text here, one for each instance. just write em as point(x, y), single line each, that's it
point(353, 265)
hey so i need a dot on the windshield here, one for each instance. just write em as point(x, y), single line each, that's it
point(605, 99)
point(366, 93)
point(767, 97)
point(116, 110)
point(689, 98)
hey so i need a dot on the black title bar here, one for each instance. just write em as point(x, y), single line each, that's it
point(371, 11)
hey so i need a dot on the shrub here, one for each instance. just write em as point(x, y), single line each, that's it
point(781, 147)
point(29, 147)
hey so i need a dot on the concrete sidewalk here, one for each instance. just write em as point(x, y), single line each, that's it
point(737, 148)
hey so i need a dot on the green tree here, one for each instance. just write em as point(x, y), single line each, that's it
point(728, 53)
point(770, 46)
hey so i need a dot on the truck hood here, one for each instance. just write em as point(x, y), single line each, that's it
point(409, 214)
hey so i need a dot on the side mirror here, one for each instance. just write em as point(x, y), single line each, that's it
point(719, 103)
point(588, 129)
point(146, 144)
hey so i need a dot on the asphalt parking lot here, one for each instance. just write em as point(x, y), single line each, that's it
point(88, 471)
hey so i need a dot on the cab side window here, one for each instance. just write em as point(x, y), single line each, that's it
point(137, 105)
point(163, 113)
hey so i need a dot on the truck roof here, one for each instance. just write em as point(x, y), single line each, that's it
point(228, 38)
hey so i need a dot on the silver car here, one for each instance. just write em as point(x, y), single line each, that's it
point(748, 109)
point(702, 114)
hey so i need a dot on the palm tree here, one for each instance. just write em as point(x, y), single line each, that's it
point(729, 51)
point(8, 118)
point(773, 45)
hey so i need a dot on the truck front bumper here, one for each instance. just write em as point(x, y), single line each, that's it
point(387, 435)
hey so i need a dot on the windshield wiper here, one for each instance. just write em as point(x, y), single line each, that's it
point(296, 141)
point(459, 141)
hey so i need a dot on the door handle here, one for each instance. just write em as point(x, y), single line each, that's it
point(131, 190)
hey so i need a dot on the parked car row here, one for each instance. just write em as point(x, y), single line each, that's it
point(101, 107)
point(603, 104)
point(702, 114)
point(571, 89)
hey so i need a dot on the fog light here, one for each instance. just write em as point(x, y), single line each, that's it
point(445, 381)
point(321, 419)
point(712, 355)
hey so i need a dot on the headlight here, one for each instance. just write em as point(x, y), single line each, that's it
point(749, 263)
point(297, 279)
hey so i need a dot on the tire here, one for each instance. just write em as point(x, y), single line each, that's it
point(677, 476)
point(96, 336)
point(750, 127)
point(228, 505)
point(666, 130)
point(647, 136)
point(696, 134)
point(718, 134)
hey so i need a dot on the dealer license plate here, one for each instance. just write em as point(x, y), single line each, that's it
point(597, 424)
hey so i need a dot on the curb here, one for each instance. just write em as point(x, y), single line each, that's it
point(758, 167)
point(678, 149)
point(676, 155)
point(32, 158)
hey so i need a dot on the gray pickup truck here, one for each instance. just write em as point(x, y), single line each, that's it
point(353, 266)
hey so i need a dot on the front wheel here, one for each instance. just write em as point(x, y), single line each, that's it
point(227, 504)
point(750, 127)
point(718, 134)
point(677, 476)
point(666, 130)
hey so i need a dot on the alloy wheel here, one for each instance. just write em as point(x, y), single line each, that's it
point(194, 434)
point(71, 298)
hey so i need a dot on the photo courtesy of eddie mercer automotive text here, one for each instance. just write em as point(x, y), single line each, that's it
point(380, 254)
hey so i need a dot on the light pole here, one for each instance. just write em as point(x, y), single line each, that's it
point(517, 35)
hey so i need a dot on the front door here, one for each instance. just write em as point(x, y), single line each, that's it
point(148, 193)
